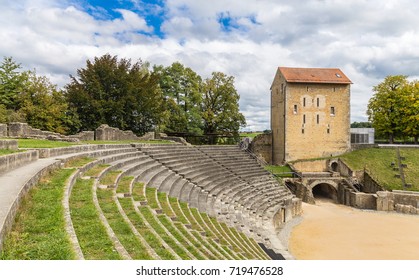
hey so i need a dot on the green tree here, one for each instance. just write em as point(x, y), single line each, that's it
point(410, 110)
point(361, 125)
point(118, 93)
point(220, 105)
point(385, 107)
point(181, 88)
point(12, 82)
point(44, 106)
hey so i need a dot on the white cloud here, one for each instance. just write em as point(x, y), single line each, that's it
point(366, 39)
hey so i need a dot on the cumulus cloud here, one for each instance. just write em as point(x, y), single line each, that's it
point(247, 39)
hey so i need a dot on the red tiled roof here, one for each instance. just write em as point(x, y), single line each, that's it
point(314, 75)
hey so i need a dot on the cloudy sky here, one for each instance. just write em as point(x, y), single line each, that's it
point(247, 39)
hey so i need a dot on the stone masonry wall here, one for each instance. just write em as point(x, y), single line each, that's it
point(261, 146)
point(107, 133)
point(8, 144)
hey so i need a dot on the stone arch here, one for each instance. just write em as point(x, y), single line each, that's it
point(325, 189)
point(334, 165)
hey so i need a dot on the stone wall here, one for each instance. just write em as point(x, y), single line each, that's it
point(106, 133)
point(261, 146)
point(8, 144)
point(84, 136)
point(370, 185)
point(23, 130)
point(319, 165)
point(12, 161)
point(401, 201)
point(3, 130)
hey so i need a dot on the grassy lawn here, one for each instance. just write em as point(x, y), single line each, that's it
point(39, 229)
point(250, 134)
point(4, 152)
point(40, 143)
point(278, 170)
point(378, 162)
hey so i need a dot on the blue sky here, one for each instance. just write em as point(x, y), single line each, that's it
point(247, 39)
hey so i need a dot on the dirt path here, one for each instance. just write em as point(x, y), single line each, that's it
point(331, 231)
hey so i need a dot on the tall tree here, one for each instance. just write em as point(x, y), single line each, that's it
point(410, 110)
point(385, 107)
point(181, 87)
point(12, 82)
point(117, 92)
point(45, 107)
point(220, 105)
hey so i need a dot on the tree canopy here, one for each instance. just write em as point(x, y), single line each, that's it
point(393, 109)
point(116, 92)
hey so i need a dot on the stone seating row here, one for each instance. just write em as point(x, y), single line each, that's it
point(146, 174)
point(203, 171)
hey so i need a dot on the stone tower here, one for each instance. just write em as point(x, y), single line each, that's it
point(310, 113)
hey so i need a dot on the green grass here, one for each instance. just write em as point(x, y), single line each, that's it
point(151, 198)
point(210, 235)
point(120, 227)
point(377, 162)
point(138, 192)
point(110, 177)
point(39, 228)
point(40, 143)
point(91, 233)
point(96, 170)
point(4, 152)
point(78, 162)
point(150, 217)
point(166, 222)
point(164, 203)
point(278, 170)
point(124, 184)
point(144, 231)
point(250, 134)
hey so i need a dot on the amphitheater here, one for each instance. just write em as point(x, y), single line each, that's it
point(158, 201)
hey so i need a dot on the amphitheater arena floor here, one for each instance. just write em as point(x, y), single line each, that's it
point(330, 231)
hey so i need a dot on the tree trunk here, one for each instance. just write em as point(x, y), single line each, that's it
point(416, 139)
point(391, 138)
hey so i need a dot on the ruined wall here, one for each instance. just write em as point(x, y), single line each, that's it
point(370, 185)
point(23, 130)
point(106, 133)
point(401, 201)
point(261, 146)
point(3, 130)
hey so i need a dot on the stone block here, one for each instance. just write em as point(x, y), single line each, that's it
point(3, 130)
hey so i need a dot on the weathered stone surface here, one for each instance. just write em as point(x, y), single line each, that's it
point(8, 144)
point(106, 133)
point(261, 146)
point(3, 130)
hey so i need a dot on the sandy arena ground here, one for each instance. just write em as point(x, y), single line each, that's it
point(335, 232)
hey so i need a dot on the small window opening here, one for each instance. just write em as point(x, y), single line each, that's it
point(318, 119)
point(295, 109)
point(318, 102)
point(304, 118)
point(304, 101)
point(332, 111)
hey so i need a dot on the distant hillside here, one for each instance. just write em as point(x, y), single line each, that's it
point(378, 162)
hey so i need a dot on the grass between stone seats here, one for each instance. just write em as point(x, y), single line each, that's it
point(39, 229)
point(91, 233)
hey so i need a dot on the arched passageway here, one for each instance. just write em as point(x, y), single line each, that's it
point(334, 166)
point(324, 190)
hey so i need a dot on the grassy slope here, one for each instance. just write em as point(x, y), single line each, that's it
point(378, 161)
